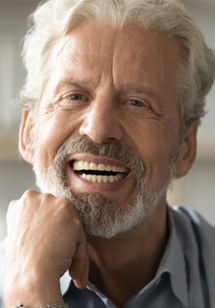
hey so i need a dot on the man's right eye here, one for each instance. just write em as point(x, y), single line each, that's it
point(72, 100)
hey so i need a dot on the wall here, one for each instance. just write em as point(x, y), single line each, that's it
point(196, 190)
point(15, 175)
point(13, 26)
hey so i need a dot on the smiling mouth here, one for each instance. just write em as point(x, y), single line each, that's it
point(98, 173)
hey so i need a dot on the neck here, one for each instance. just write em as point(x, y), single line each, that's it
point(123, 265)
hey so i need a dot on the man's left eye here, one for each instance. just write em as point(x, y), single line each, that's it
point(136, 103)
point(76, 97)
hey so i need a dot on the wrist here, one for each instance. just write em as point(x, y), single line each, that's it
point(32, 292)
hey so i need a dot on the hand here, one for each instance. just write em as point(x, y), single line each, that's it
point(45, 239)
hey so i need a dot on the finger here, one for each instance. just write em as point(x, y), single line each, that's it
point(11, 212)
point(79, 269)
point(11, 206)
point(13, 209)
point(81, 281)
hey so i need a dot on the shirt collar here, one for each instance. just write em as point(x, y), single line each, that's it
point(173, 262)
point(65, 282)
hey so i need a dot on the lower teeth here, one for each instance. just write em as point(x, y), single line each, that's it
point(101, 178)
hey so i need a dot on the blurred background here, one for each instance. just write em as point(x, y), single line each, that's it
point(197, 190)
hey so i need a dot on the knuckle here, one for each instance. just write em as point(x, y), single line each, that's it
point(65, 201)
point(11, 209)
point(69, 211)
point(29, 194)
point(66, 204)
point(12, 203)
point(47, 197)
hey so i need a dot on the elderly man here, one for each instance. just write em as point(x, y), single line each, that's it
point(114, 94)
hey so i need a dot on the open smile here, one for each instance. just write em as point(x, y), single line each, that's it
point(98, 172)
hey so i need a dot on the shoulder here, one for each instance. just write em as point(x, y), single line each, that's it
point(191, 224)
point(197, 239)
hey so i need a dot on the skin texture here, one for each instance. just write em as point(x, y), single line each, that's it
point(106, 84)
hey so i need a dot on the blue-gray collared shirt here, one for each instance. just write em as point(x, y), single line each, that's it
point(185, 277)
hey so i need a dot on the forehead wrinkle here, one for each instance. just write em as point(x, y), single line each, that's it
point(62, 46)
point(76, 69)
point(113, 58)
point(70, 50)
point(80, 50)
point(70, 81)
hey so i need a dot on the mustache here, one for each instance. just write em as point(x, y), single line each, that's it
point(111, 149)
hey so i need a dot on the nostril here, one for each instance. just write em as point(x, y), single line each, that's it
point(101, 124)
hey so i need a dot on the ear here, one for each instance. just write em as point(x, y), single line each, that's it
point(187, 151)
point(26, 142)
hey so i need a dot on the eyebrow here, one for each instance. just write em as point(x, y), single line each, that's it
point(74, 83)
point(127, 87)
point(146, 90)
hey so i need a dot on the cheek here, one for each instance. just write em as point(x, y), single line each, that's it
point(50, 133)
point(152, 141)
point(156, 149)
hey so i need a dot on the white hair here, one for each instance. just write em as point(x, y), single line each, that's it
point(56, 18)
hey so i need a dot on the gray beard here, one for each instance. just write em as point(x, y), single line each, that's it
point(102, 217)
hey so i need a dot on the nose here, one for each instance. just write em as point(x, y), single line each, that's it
point(101, 122)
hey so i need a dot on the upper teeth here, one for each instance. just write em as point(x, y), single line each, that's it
point(84, 165)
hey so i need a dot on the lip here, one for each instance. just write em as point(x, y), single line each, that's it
point(82, 185)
